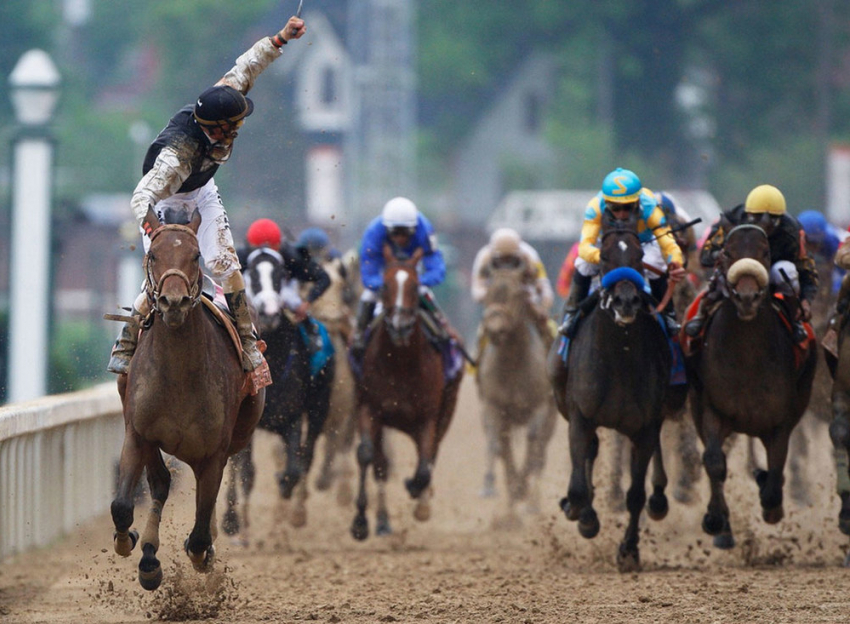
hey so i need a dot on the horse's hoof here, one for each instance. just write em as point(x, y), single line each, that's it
point(724, 541)
point(298, 517)
point(712, 523)
point(230, 522)
point(360, 528)
point(569, 510)
point(588, 524)
point(422, 511)
point(382, 524)
point(202, 562)
point(628, 560)
point(286, 483)
point(658, 506)
point(150, 570)
point(124, 545)
point(773, 515)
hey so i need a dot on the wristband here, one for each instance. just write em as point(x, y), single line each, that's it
point(278, 41)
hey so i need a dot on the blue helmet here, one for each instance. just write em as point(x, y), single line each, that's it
point(814, 223)
point(621, 186)
point(313, 239)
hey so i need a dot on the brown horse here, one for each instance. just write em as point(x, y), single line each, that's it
point(616, 375)
point(513, 387)
point(839, 429)
point(185, 394)
point(402, 386)
point(745, 378)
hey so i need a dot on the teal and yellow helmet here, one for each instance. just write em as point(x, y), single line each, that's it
point(621, 186)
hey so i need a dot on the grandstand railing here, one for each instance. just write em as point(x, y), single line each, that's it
point(58, 456)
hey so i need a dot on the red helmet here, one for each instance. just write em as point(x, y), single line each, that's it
point(263, 232)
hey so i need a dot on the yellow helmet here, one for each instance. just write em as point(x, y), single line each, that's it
point(765, 198)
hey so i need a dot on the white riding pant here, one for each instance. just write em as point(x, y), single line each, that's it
point(214, 236)
point(779, 283)
point(651, 256)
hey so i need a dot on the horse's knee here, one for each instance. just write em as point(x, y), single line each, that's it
point(365, 453)
point(839, 432)
point(715, 464)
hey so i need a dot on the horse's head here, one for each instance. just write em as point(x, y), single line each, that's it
point(505, 304)
point(173, 268)
point(400, 295)
point(264, 275)
point(745, 261)
point(621, 265)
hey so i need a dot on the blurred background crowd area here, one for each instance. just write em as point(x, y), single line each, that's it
point(485, 113)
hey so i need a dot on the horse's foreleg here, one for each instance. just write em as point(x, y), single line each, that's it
point(689, 461)
point(716, 519)
point(578, 503)
point(658, 505)
point(129, 472)
point(643, 448)
point(537, 442)
point(293, 470)
point(488, 488)
point(515, 484)
point(199, 545)
point(382, 465)
point(618, 459)
point(770, 481)
point(365, 456)
point(839, 433)
point(159, 481)
point(242, 475)
point(426, 446)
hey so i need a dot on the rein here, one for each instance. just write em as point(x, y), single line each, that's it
point(153, 287)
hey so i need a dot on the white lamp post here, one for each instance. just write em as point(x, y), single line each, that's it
point(34, 86)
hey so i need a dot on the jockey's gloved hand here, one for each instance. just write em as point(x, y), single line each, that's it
point(676, 272)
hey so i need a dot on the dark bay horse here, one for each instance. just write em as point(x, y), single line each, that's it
point(185, 394)
point(616, 376)
point(298, 395)
point(746, 378)
point(513, 387)
point(403, 386)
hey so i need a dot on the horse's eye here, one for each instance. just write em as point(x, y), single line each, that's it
point(197, 256)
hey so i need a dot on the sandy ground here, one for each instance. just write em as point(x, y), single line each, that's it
point(463, 565)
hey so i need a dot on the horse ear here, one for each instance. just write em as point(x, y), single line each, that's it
point(151, 222)
point(195, 221)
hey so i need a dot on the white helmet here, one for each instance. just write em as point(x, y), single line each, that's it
point(505, 242)
point(399, 212)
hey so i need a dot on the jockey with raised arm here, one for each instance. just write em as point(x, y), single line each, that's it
point(404, 229)
point(623, 194)
point(178, 178)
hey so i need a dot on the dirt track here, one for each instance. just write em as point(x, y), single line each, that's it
point(458, 567)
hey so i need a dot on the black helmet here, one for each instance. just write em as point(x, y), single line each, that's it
point(222, 104)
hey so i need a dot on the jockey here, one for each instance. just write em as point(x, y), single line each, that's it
point(676, 215)
point(300, 269)
point(765, 207)
point(822, 242)
point(405, 229)
point(507, 249)
point(623, 194)
point(178, 176)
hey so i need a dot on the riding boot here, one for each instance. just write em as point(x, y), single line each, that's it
point(125, 345)
point(365, 310)
point(693, 328)
point(578, 292)
point(251, 356)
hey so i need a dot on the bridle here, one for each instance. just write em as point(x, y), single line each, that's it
point(153, 287)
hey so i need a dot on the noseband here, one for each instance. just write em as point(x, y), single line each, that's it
point(154, 287)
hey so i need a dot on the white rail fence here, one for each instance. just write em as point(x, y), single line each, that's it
point(57, 464)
